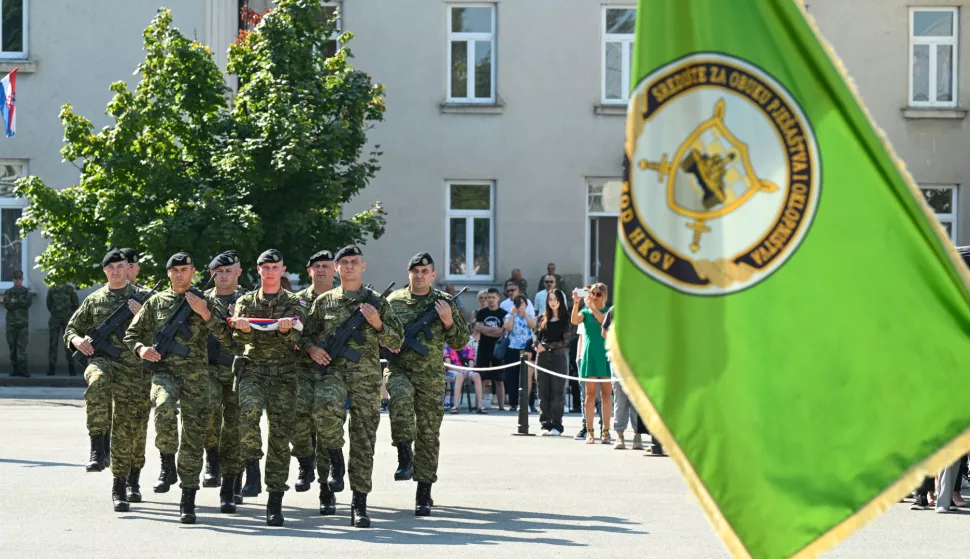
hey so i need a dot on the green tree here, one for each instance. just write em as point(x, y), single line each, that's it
point(179, 169)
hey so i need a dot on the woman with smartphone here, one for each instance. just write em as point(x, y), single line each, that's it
point(594, 362)
point(519, 324)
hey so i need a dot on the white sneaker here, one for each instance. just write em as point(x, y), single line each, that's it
point(554, 433)
point(545, 432)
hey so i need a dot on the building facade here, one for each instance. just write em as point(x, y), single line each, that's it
point(505, 120)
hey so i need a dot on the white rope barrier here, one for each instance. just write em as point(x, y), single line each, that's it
point(475, 369)
point(555, 374)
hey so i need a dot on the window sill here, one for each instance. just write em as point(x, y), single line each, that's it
point(25, 66)
point(610, 110)
point(472, 108)
point(955, 113)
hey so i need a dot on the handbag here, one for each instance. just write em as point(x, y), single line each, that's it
point(501, 346)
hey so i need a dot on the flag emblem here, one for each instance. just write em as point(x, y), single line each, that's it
point(723, 175)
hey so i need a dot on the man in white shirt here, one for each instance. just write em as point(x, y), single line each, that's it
point(549, 284)
point(512, 291)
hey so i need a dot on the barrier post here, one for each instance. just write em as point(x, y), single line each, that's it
point(523, 400)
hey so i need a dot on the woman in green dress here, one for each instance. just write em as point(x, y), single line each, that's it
point(594, 364)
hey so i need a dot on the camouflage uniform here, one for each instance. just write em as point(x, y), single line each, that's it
point(416, 383)
point(61, 302)
point(361, 380)
point(178, 378)
point(123, 380)
point(222, 427)
point(17, 302)
point(303, 432)
point(268, 380)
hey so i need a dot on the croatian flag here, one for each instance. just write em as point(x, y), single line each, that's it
point(8, 88)
point(269, 324)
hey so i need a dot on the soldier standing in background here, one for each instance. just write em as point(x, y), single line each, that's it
point(223, 466)
point(61, 303)
point(361, 380)
point(415, 382)
point(268, 377)
point(17, 302)
point(133, 266)
point(303, 437)
point(179, 378)
point(121, 379)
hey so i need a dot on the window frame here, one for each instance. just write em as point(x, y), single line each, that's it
point(933, 43)
point(452, 36)
point(470, 216)
point(17, 55)
point(626, 56)
point(16, 203)
point(950, 217)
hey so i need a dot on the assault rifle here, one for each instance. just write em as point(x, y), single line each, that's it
point(116, 324)
point(422, 325)
point(164, 338)
point(336, 343)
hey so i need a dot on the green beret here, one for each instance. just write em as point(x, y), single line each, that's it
point(179, 259)
point(350, 250)
point(112, 256)
point(270, 256)
point(420, 259)
point(322, 256)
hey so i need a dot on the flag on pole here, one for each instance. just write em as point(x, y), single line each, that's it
point(789, 315)
point(8, 89)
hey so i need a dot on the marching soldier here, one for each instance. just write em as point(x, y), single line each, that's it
point(121, 379)
point(223, 464)
point(361, 380)
point(61, 303)
point(179, 378)
point(304, 435)
point(17, 302)
point(133, 266)
point(268, 377)
point(415, 382)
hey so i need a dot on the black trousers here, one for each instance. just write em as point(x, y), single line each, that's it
point(551, 388)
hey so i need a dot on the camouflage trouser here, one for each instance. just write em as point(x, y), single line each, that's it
point(17, 342)
point(272, 387)
point(132, 405)
point(97, 398)
point(329, 413)
point(222, 429)
point(55, 343)
point(195, 393)
point(416, 412)
point(301, 436)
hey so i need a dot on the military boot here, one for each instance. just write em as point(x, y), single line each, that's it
point(227, 502)
point(237, 489)
point(358, 511)
point(274, 509)
point(405, 462)
point(328, 501)
point(422, 500)
point(187, 506)
point(50, 371)
point(70, 368)
point(306, 476)
point(168, 474)
point(254, 484)
point(337, 469)
point(212, 476)
point(118, 496)
point(107, 449)
point(96, 461)
point(132, 487)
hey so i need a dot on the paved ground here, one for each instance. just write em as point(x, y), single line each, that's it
point(499, 496)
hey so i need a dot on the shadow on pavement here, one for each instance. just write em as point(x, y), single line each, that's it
point(446, 526)
point(39, 464)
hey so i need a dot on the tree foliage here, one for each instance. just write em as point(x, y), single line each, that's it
point(181, 169)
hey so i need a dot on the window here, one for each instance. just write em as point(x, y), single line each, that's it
point(618, 29)
point(331, 9)
point(933, 57)
point(469, 230)
point(471, 44)
point(13, 255)
point(943, 200)
point(13, 29)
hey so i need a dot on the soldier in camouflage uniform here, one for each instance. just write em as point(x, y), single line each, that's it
point(121, 379)
point(179, 378)
point(304, 435)
point(61, 302)
point(223, 464)
point(416, 382)
point(133, 266)
point(17, 302)
point(268, 376)
point(361, 380)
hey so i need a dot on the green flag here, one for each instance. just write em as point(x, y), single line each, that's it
point(790, 318)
